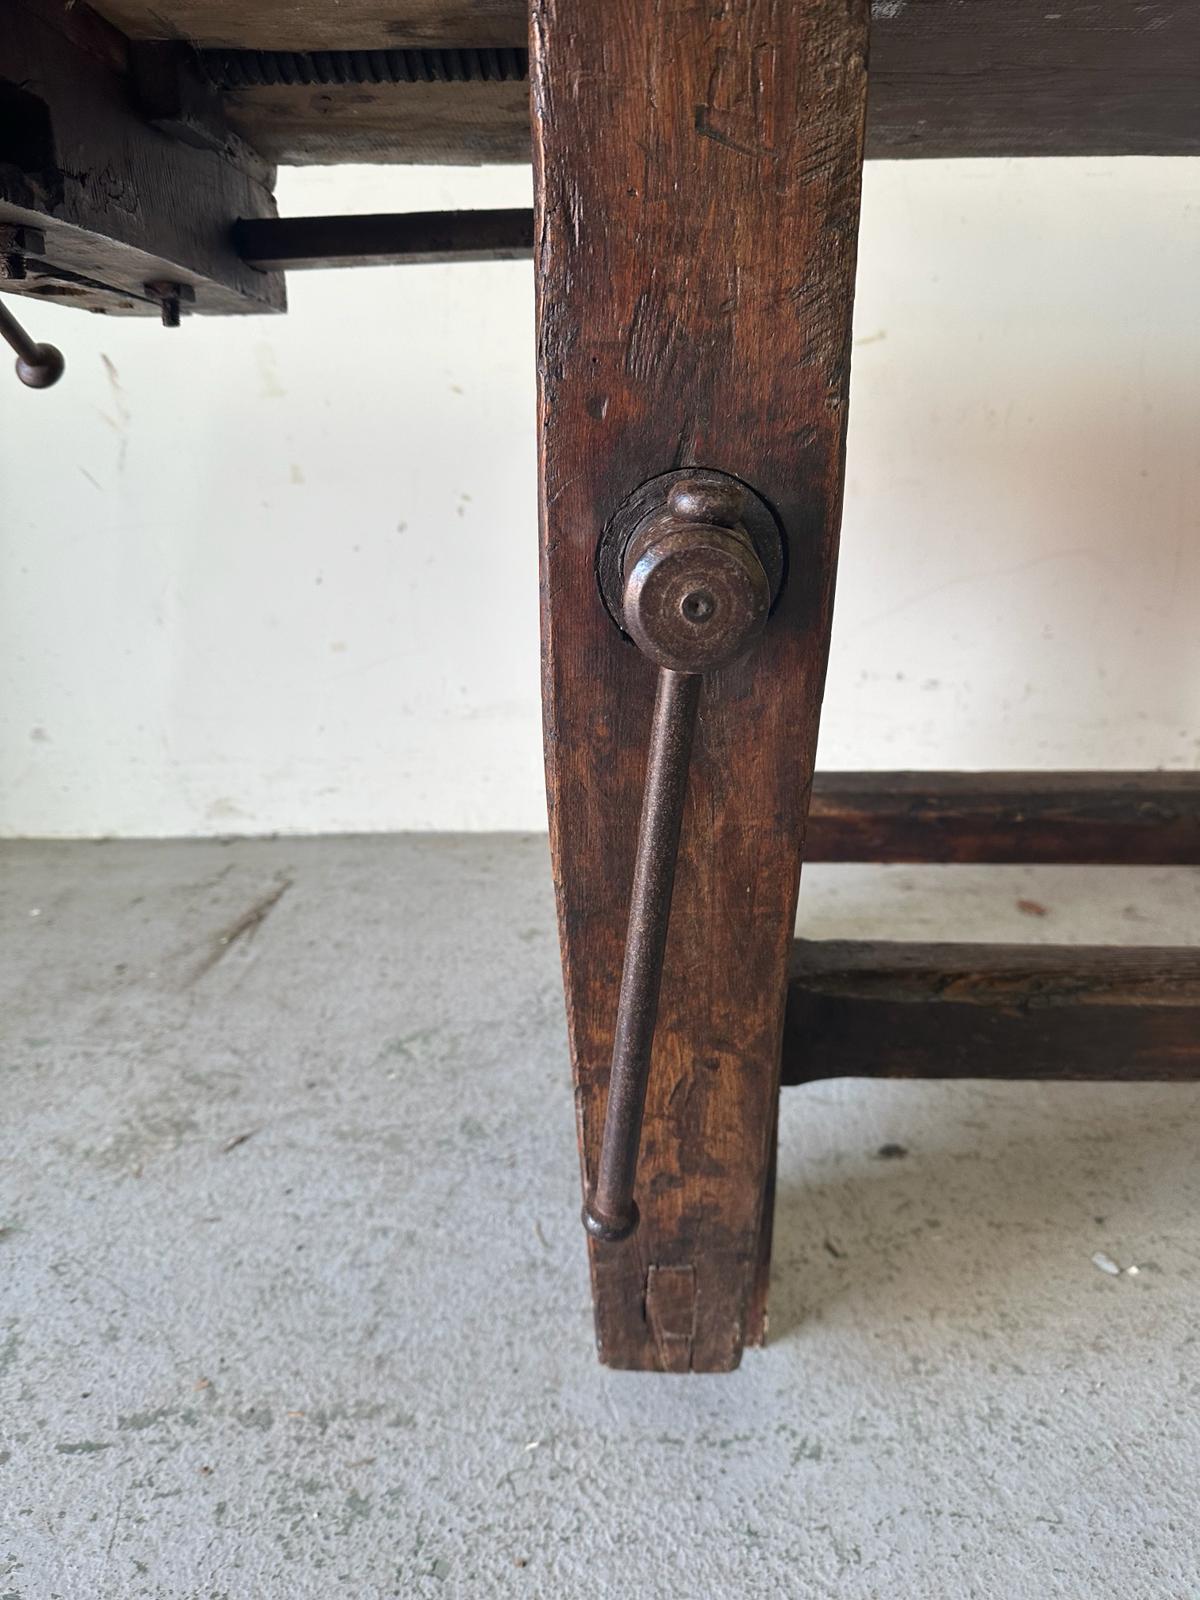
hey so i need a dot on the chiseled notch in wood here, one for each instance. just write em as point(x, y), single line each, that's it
point(883, 1010)
point(697, 174)
point(671, 1314)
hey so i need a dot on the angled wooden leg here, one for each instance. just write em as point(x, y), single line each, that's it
point(697, 173)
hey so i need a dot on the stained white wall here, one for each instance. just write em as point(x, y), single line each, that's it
point(280, 573)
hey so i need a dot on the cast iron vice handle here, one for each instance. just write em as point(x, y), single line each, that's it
point(693, 594)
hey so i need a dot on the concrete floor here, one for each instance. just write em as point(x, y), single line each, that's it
point(292, 1288)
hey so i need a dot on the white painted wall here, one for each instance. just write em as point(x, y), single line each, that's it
point(280, 574)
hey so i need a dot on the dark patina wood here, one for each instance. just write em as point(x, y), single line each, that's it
point(697, 174)
point(1072, 818)
point(320, 25)
point(114, 203)
point(433, 124)
point(1022, 78)
point(992, 1011)
point(948, 77)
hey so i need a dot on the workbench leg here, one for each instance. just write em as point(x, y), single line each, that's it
point(697, 174)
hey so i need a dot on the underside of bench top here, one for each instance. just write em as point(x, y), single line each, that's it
point(948, 77)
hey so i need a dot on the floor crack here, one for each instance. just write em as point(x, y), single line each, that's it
point(245, 927)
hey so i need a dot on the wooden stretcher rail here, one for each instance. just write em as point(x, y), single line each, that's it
point(1065, 818)
point(878, 1010)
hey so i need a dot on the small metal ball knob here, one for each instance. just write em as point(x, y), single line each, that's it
point(45, 370)
point(722, 504)
point(696, 592)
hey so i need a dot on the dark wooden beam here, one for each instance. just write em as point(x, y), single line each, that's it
point(1023, 78)
point(876, 1010)
point(414, 238)
point(697, 176)
point(424, 124)
point(948, 77)
point(100, 207)
point(1068, 818)
point(318, 25)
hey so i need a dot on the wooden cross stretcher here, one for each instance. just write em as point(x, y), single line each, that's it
point(697, 169)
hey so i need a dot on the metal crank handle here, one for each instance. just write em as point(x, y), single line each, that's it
point(693, 593)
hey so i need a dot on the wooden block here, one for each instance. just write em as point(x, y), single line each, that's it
point(433, 124)
point(118, 204)
point(319, 25)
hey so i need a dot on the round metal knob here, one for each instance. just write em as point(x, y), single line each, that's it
point(44, 369)
point(38, 365)
point(695, 591)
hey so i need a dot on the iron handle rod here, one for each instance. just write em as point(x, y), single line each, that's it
point(694, 592)
point(611, 1212)
point(15, 336)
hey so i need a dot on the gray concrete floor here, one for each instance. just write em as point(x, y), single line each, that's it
point(293, 1288)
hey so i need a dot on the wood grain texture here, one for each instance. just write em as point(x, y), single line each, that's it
point(320, 25)
point(117, 202)
point(697, 170)
point(430, 123)
point(1022, 78)
point(1068, 818)
point(84, 27)
point(878, 1010)
point(948, 77)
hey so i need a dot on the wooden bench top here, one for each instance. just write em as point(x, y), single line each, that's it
point(948, 77)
